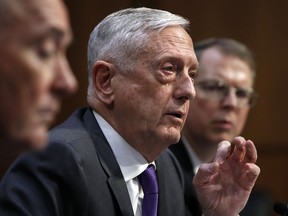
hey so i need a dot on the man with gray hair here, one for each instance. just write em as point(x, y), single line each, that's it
point(111, 158)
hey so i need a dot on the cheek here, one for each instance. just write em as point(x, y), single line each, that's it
point(130, 104)
point(203, 108)
point(159, 100)
point(24, 85)
point(18, 92)
point(200, 114)
point(241, 119)
point(40, 74)
point(30, 78)
point(35, 93)
point(150, 105)
point(144, 105)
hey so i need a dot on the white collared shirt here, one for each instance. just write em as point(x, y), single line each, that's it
point(131, 163)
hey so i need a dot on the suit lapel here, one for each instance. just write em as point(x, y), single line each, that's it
point(109, 164)
point(162, 202)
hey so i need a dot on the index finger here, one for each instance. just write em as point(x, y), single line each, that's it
point(223, 152)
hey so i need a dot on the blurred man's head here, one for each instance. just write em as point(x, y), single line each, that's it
point(224, 92)
point(34, 72)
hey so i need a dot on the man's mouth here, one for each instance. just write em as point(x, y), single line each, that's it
point(49, 114)
point(177, 114)
point(224, 124)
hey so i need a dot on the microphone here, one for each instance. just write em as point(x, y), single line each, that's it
point(281, 208)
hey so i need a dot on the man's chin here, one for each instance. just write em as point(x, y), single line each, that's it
point(36, 139)
point(173, 137)
point(39, 141)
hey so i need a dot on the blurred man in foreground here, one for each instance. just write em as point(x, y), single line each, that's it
point(34, 72)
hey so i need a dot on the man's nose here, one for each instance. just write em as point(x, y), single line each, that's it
point(185, 88)
point(65, 82)
point(230, 98)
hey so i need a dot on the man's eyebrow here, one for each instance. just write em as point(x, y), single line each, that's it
point(59, 34)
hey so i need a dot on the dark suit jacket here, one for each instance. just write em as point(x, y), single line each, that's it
point(78, 175)
point(191, 201)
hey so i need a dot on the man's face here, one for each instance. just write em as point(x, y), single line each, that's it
point(212, 120)
point(153, 99)
point(34, 72)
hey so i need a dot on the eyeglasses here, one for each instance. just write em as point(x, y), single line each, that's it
point(216, 90)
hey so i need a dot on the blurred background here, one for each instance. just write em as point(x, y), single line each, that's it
point(261, 25)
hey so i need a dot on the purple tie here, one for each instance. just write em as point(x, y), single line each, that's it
point(148, 181)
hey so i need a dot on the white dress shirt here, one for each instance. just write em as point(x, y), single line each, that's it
point(131, 163)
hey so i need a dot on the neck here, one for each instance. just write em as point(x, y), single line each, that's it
point(149, 150)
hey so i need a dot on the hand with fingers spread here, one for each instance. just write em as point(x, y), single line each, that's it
point(224, 186)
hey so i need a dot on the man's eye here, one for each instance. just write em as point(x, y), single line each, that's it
point(193, 74)
point(45, 54)
point(242, 93)
point(169, 68)
point(213, 87)
point(46, 49)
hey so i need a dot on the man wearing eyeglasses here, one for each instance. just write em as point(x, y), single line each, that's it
point(224, 96)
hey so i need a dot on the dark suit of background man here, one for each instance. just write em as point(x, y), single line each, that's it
point(219, 111)
point(141, 67)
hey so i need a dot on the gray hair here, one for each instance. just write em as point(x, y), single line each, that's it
point(228, 46)
point(122, 36)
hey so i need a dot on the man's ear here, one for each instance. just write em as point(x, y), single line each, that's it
point(103, 72)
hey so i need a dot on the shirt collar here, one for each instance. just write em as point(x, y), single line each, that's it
point(131, 162)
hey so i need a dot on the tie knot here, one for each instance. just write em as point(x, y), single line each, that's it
point(148, 180)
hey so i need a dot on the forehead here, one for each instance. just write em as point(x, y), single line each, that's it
point(34, 17)
point(172, 42)
point(214, 64)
